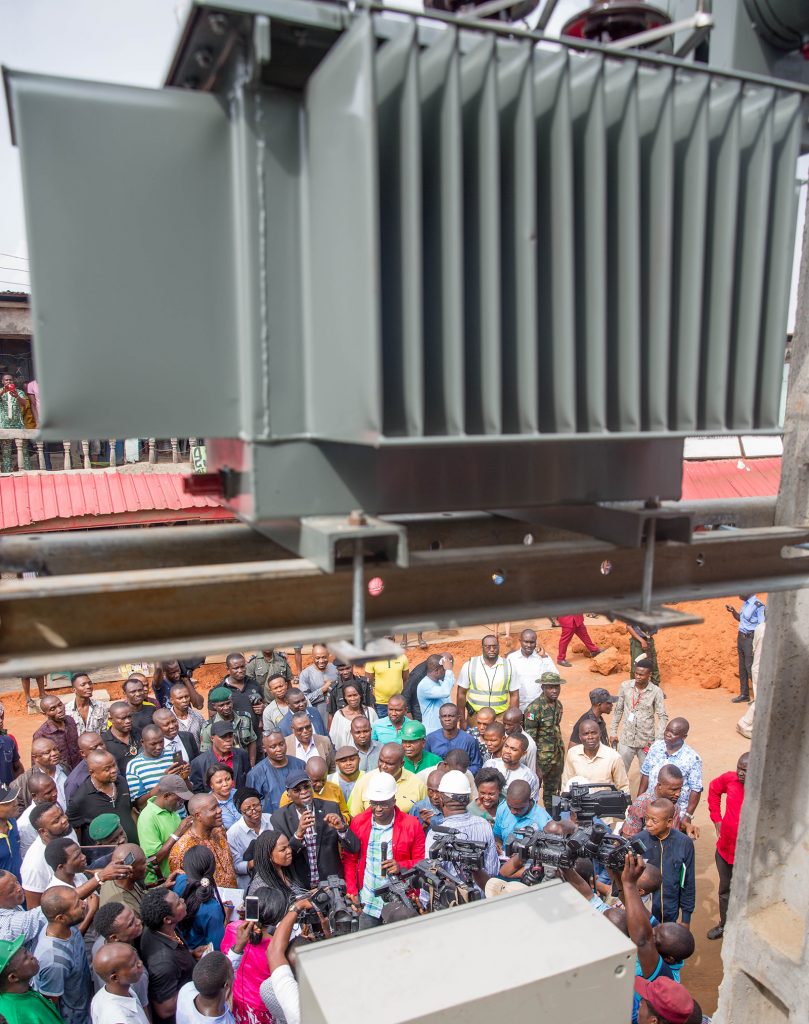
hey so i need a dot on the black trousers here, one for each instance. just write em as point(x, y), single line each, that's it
point(744, 645)
point(725, 876)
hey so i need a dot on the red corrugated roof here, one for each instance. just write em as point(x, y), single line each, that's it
point(82, 500)
point(731, 478)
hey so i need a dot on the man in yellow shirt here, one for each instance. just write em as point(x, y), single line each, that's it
point(387, 678)
point(322, 789)
point(409, 787)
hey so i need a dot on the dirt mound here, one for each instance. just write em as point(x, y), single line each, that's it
point(608, 661)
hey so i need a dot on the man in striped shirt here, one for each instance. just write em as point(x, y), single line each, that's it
point(146, 769)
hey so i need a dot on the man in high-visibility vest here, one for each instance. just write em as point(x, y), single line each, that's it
point(487, 682)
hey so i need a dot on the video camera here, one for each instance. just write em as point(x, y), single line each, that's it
point(329, 899)
point(540, 850)
point(443, 888)
point(606, 802)
point(448, 846)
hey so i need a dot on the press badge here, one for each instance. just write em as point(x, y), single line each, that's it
point(631, 716)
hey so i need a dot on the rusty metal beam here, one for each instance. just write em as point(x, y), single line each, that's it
point(105, 617)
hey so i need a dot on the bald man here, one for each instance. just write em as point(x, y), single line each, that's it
point(120, 967)
point(64, 971)
point(62, 730)
point(409, 787)
point(87, 741)
point(672, 852)
point(44, 761)
point(206, 830)
point(673, 749)
point(104, 792)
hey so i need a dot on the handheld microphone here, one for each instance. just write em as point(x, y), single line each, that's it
point(384, 847)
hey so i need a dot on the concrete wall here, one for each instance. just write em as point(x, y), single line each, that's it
point(15, 320)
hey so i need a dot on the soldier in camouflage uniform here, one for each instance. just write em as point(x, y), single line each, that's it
point(543, 718)
point(263, 666)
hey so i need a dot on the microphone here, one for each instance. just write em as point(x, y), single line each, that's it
point(384, 847)
point(309, 806)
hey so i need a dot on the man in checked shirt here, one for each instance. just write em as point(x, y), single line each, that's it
point(639, 703)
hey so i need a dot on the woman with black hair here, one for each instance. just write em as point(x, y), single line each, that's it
point(272, 858)
point(205, 912)
point(248, 1006)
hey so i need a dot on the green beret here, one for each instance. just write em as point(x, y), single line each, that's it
point(412, 731)
point(220, 693)
point(103, 826)
point(550, 679)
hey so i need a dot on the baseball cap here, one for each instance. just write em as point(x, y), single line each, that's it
point(174, 784)
point(666, 997)
point(102, 826)
point(220, 693)
point(346, 752)
point(8, 947)
point(601, 696)
point(381, 786)
point(9, 793)
point(412, 730)
point(550, 679)
point(297, 779)
point(454, 782)
point(222, 729)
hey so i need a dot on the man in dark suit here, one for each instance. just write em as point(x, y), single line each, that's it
point(174, 741)
point(316, 832)
point(222, 752)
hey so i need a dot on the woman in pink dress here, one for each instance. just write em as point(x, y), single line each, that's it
point(248, 1006)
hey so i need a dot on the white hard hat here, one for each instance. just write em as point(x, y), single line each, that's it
point(455, 782)
point(381, 786)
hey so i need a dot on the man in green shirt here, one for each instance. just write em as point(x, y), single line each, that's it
point(159, 824)
point(19, 1003)
point(413, 737)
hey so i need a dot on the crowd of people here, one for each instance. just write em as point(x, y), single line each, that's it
point(161, 853)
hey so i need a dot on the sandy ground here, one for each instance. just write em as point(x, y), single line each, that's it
point(691, 658)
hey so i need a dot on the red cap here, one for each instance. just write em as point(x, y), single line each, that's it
point(667, 998)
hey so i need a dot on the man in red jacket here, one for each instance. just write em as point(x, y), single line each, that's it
point(389, 842)
point(731, 785)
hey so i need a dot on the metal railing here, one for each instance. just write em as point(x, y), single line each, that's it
point(71, 459)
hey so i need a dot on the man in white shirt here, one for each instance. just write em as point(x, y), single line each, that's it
point(43, 791)
point(50, 822)
point(513, 722)
point(204, 999)
point(509, 763)
point(527, 665)
point(120, 967)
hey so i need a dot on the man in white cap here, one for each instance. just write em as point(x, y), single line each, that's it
point(455, 794)
point(390, 841)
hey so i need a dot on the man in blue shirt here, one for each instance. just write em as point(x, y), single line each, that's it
point(751, 615)
point(269, 777)
point(434, 689)
point(517, 811)
point(450, 737)
point(298, 705)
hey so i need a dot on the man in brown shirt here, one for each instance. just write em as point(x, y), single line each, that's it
point(61, 730)
point(639, 702)
point(206, 831)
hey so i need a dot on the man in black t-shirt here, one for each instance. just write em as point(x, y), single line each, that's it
point(169, 962)
point(601, 702)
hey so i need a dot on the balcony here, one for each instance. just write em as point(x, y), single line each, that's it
point(98, 455)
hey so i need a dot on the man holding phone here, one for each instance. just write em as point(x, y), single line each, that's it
point(182, 746)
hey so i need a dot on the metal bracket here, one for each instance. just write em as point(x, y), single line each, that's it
point(700, 24)
point(327, 540)
point(624, 525)
point(374, 650)
point(658, 617)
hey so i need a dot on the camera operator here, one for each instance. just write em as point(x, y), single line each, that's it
point(455, 794)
